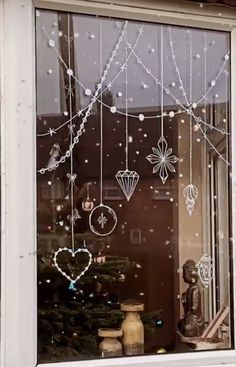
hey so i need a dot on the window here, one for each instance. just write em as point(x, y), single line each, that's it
point(134, 187)
point(35, 205)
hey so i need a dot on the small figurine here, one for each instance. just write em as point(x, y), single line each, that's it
point(54, 154)
point(192, 324)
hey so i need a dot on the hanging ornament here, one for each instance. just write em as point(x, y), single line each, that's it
point(162, 156)
point(87, 204)
point(54, 153)
point(190, 191)
point(205, 268)
point(163, 159)
point(71, 176)
point(127, 179)
point(102, 219)
point(74, 254)
point(74, 217)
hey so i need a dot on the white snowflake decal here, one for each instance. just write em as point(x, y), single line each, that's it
point(163, 159)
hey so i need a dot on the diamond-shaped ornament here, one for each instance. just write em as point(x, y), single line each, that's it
point(127, 181)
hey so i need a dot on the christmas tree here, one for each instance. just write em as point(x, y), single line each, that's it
point(68, 320)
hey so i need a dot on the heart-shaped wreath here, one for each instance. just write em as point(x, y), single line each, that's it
point(72, 280)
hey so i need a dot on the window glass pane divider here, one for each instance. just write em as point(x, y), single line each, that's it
point(233, 183)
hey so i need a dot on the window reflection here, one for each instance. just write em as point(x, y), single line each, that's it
point(175, 76)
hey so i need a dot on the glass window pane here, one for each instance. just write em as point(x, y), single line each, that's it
point(133, 156)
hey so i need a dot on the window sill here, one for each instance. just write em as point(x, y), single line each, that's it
point(197, 359)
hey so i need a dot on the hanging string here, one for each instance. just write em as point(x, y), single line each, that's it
point(205, 155)
point(227, 115)
point(101, 121)
point(157, 61)
point(162, 83)
point(53, 131)
point(71, 137)
point(190, 105)
point(198, 120)
point(87, 191)
point(205, 74)
point(176, 67)
point(126, 109)
point(216, 78)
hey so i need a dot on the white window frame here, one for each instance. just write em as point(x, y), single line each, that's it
point(18, 169)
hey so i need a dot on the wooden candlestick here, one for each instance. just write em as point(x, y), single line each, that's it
point(133, 330)
point(110, 346)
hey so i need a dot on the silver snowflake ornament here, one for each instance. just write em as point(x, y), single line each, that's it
point(163, 159)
